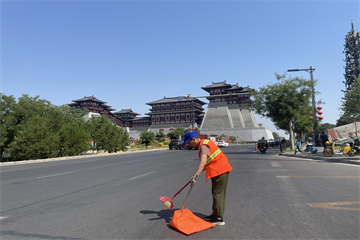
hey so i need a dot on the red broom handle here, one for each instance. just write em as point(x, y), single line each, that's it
point(180, 190)
point(186, 198)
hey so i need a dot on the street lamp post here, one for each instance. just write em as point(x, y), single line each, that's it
point(192, 114)
point(313, 100)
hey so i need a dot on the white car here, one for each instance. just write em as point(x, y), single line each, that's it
point(222, 143)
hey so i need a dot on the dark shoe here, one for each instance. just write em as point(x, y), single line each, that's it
point(218, 221)
point(210, 217)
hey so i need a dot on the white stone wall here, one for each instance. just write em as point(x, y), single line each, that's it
point(217, 115)
point(243, 134)
point(90, 115)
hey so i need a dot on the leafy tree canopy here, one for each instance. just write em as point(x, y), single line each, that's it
point(351, 105)
point(285, 101)
point(325, 126)
point(146, 137)
point(352, 57)
point(179, 131)
point(160, 136)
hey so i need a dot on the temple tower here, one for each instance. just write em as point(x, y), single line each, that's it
point(227, 111)
point(227, 115)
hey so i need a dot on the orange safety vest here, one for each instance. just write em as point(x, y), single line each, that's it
point(216, 163)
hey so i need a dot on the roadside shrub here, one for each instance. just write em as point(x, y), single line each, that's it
point(161, 144)
point(166, 143)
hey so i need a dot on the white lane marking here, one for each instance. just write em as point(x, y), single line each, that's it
point(348, 164)
point(55, 175)
point(141, 175)
point(275, 164)
point(1, 218)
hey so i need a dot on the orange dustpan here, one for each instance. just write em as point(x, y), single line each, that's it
point(185, 221)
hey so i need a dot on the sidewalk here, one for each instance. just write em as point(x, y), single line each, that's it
point(336, 157)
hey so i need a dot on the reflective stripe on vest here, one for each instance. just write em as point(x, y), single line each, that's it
point(211, 157)
point(216, 163)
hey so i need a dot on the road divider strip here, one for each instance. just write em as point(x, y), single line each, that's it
point(54, 175)
point(141, 176)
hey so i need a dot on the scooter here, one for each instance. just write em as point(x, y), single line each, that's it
point(310, 148)
point(351, 148)
point(329, 149)
point(262, 148)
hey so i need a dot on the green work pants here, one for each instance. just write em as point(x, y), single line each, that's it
point(218, 190)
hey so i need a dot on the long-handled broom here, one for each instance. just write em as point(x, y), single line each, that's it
point(168, 202)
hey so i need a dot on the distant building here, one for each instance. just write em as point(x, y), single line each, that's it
point(169, 113)
point(224, 116)
point(131, 122)
point(226, 113)
point(96, 107)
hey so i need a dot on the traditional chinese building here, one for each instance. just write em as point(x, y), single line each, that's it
point(127, 115)
point(169, 113)
point(227, 115)
point(96, 107)
point(132, 121)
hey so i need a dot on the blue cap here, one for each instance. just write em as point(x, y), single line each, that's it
point(188, 136)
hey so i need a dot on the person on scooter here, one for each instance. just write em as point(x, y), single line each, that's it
point(324, 138)
point(262, 141)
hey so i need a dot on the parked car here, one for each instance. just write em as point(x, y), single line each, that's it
point(188, 147)
point(222, 143)
point(176, 143)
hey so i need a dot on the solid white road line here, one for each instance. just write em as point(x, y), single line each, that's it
point(275, 164)
point(1, 218)
point(141, 176)
point(55, 175)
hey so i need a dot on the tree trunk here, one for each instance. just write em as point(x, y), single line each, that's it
point(291, 135)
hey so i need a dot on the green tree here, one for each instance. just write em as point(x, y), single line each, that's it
point(351, 105)
point(34, 140)
point(107, 135)
point(8, 122)
point(283, 102)
point(276, 135)
point(160, 136)
point(74, 139)
point(34, 131)
point(301, 124)
point(179, 131)
point(352, 57)
point(325, 126)
point(233, 138)
point(146, 137)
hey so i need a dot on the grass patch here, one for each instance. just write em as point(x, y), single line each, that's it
point(142, 147)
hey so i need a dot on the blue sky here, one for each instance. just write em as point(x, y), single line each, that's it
point(129, 53)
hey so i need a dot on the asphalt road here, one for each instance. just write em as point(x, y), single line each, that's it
point(117, 197)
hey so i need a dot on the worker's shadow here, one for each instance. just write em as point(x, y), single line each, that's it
point(167, 214)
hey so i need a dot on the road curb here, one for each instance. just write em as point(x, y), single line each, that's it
point(330, 159)
point(73, 157)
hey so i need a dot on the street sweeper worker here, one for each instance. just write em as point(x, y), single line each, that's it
point(217, 168)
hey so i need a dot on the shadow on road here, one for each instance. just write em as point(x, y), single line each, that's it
point(166, 214)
